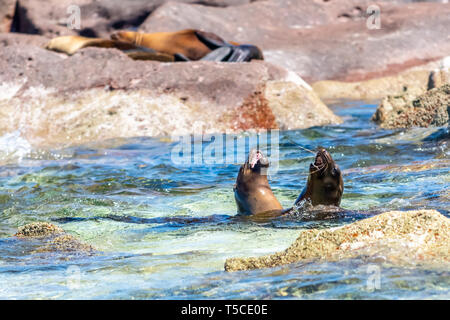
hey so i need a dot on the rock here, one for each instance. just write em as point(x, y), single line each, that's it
point(66, 244)
point(97, 17)
point(38, 229)
point(98, 94)
point(429, 109)
point(52, 239)
point(404, 238)
point(323, 40)
point(415, 81)
point(8, 39)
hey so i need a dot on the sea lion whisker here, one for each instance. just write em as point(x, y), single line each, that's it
point(306, 149)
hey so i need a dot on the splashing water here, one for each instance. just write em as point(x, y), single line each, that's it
point(164, 230)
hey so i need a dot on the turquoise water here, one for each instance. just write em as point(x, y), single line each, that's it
point(164, 230)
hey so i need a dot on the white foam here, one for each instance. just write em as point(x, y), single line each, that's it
point(13, 147)
point(295, 78)
point(445, 63)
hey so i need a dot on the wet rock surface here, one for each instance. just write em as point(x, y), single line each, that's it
point(405, 111)
point(402, 238)
point(38, 229)
point(49, 238)
point(114, 96)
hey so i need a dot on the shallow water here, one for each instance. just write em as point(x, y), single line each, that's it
point(164, 229)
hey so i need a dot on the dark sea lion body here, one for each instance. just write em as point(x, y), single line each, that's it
point(254, 196)
point(252, 191)
point(325, 184)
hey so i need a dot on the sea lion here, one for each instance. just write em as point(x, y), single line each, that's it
point(325, 184)
point(252, 191)
point(239, 52)
point(184, 42)
point(71, 44)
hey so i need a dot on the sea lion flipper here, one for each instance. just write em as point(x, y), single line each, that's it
point(245, 53)
point(301, 196)
point(220, 54)
point(210, 40)
point(180, 57)
point(239, 55)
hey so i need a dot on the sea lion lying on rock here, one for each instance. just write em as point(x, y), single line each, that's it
point(191, 44)
point(184, 42)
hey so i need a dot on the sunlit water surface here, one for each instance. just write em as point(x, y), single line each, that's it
point(164, 230)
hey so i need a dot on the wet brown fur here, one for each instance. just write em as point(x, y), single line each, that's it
point(252, 190)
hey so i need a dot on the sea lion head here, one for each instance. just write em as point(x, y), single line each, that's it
point(127, 36)
point(252, 190)
point(253, 170)
point(256, 161)
point(325, 184)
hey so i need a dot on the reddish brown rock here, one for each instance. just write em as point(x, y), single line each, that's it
point(98, 18)
point(98, 94)
point(323, 39)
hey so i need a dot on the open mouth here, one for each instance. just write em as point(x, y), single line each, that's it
point(321, 161)
point(257, 158)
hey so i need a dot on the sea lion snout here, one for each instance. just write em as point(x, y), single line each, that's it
point(257, 160)
point(325, 184)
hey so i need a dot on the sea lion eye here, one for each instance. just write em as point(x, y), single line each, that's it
point(336, 171)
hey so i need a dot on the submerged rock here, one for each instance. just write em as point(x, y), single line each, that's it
point(99, 94)
point(38, 229)
point(404, 238)
point(52, 239)
point(429, 109)
point(66, 243)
